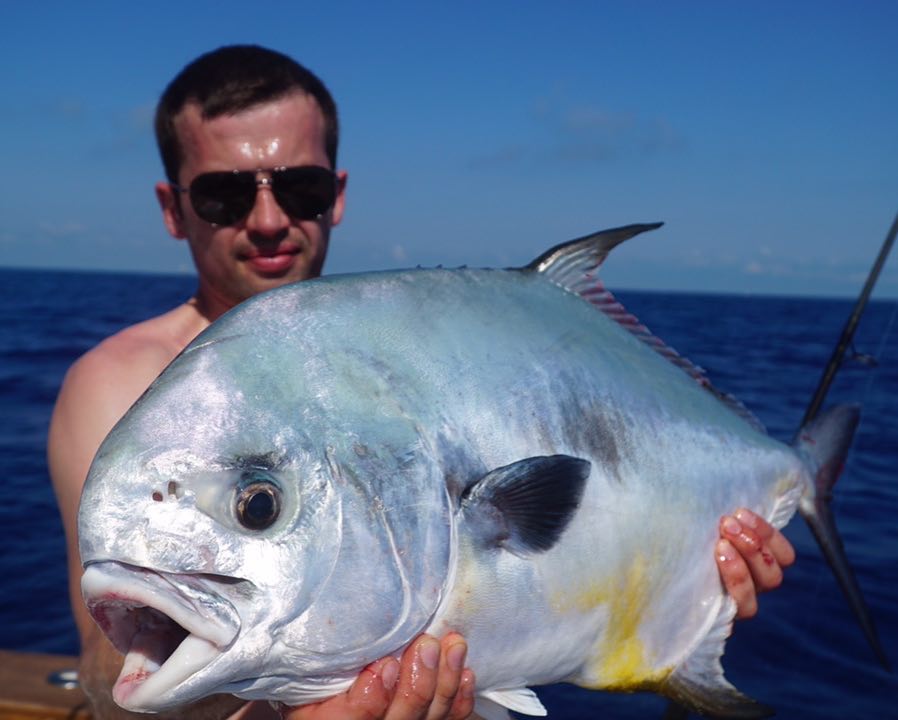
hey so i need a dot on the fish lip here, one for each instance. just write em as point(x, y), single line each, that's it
point(169, 627)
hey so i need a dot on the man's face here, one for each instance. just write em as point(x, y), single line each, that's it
point(267, 248)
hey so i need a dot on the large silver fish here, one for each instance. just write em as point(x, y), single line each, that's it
point(338, 465)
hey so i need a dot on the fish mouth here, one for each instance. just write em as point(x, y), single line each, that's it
point(168, 626)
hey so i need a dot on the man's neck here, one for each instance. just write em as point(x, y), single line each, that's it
point(209, 307)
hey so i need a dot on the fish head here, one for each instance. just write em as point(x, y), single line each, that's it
point(237, 537)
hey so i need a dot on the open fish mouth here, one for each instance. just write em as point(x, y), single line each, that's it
point(169, 627)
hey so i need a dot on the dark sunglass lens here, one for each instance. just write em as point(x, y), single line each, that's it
point(223, 198)
point(305, 192)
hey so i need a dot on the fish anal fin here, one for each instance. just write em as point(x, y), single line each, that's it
point(698, 683)
point(522, 700)
point(785, 506)
point(526, 506)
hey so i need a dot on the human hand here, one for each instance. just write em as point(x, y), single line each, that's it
point(430, 683)
point(751, 555)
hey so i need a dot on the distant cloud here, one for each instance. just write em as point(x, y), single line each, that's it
point(584, 135)
point(504, 157)
point(131, 128)
point(140, 118)
point(398, 254)
point(38, 112)
point(66, 229)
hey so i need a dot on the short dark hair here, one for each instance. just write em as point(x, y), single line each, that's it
point(234, 78)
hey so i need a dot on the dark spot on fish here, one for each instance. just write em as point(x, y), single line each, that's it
point(257, 461)
point(360, 450)
point(597, 433)
point(157, 496)
point(174, 490)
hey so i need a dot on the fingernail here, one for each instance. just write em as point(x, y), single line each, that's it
point(725, 551)
point(455, 657)
point(747, 517)
point(429, 652)
point(390, 673)
point(467, 684)
point(731, 526)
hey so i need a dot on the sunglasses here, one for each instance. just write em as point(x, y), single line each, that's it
point(305, 192)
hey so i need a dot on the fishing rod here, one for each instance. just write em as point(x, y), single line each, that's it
point(835, 362)
point(821, 522)
point(675, 711)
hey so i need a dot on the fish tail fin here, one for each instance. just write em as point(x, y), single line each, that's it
point(824, 442)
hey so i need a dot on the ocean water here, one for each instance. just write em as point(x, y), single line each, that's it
point(803, 654)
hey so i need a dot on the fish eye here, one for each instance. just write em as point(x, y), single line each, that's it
point(258, 502)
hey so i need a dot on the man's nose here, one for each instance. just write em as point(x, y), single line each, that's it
point(267, 217)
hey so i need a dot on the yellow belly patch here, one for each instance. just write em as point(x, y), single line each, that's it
point(620, 662)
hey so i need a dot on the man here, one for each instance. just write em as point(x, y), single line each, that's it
point(225, 116)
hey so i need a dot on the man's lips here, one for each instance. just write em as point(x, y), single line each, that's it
point(274, 262)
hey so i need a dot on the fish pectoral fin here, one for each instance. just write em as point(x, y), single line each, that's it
point(492, 704)
point(526, 506)
point(698, 682)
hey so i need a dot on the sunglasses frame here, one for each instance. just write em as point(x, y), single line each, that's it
point(235, 206)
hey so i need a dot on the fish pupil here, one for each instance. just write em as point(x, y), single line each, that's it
point(258, 506)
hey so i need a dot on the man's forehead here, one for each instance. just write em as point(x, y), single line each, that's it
point(286, 123)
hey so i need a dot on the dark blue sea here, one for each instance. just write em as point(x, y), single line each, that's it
point(803, 654)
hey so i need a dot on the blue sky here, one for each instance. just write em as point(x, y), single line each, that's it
point(764, 134)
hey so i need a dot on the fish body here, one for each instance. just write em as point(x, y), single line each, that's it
point(338, 465)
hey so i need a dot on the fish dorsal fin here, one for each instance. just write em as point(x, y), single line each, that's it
point(567, 263)
point(573, 266)
point(526, 506)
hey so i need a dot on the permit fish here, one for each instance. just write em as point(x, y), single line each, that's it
point(338, 465)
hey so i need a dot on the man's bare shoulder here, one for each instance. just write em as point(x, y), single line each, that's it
point(97, 390)
point(104, 382)
point(132, 358)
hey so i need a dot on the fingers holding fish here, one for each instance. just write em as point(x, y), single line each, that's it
point(736, 579)
point(751, 556)
point(771, 539)
point(430, 677)
point(367, 699)
point(430, 683)
point(463, 705)
point(454, 695)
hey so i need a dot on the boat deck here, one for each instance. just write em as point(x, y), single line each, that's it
point(33, 687)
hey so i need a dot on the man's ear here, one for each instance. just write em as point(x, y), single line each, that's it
point(172, 212)
point(337, 209)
